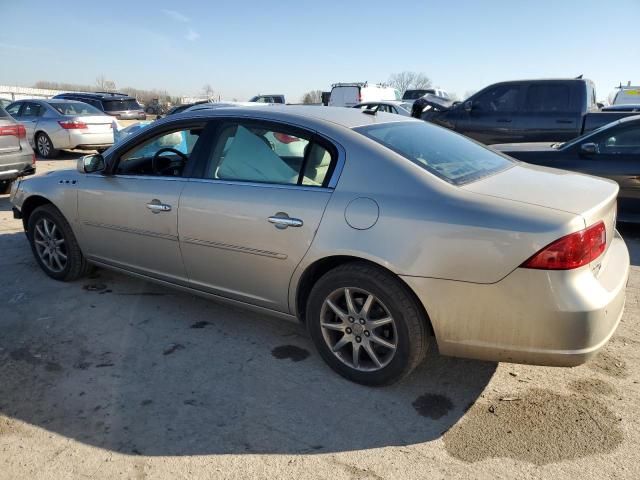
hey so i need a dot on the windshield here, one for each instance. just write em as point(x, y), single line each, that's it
point(414, 94)
point(441, 152)
point(119, 105)
point(75, 108)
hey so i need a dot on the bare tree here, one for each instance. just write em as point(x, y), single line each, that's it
point(409, 80)
point(208, 90)
point(314, 96)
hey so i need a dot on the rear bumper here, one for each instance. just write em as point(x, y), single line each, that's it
point(556, 318)
point(19, 166)
point(91, 141)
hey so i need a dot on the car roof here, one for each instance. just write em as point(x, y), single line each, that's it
point(100, 95)
point(308, 115)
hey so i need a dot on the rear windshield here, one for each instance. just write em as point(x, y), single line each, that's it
point(119, 105)
point(627, 96)
point(76, 108)
point(414, 94)
point(441, 152)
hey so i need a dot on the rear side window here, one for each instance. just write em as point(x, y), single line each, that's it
point(265, 154)
point(548, 98)
point(441, 152)
point(31, 110)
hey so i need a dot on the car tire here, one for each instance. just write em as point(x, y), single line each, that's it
point(59, 242)
point(366, 329)
point(44, 146)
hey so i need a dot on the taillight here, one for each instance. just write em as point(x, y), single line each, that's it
point(284, 138)
point(33, 159)
point(13, 130)
point(573, 251)
point(72, 125)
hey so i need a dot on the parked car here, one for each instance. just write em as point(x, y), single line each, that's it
point(411, 95)
point(627, 95)
point(16, 156)
point(119, 105)
point(389, 106)
point(54, 125)
point(612, 151)
point(155, 107)
point(268, 99)
point(383, 229)
point(526, 111)
point(351, 94)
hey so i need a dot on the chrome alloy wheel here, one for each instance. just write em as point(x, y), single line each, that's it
point(359, 329)
point(50, 245)
point(44, 146)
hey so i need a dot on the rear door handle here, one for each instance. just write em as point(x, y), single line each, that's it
point(281, 220)
point(504, 120)
point(564, 121)
point(156, 206)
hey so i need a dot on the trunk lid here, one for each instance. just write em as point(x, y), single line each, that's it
point(9, 141)
point(95, 123)
point(592, 198)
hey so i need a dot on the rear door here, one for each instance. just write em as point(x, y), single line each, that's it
point(551, 112)
point(495, 116)
point(248, 222)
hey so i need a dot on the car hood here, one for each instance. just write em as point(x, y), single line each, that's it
point(524, 147)
point(548, 187)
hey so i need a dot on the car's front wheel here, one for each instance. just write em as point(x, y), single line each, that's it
point(54, 245)
point(44, 145)
point(366, 324)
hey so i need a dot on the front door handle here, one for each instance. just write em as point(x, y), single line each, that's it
point(564, 121)
point(156, 206)
point(281, 220)
point(504, 120)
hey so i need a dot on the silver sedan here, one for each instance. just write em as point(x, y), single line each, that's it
point(374, 230)
point(54, 125)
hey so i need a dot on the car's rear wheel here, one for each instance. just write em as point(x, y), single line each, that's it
point(44, 146)
point(366, 324)
point(54, 245)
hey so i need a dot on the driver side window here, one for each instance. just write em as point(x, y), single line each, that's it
point(166, 154)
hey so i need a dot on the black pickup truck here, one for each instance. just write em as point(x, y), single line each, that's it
point(554, 110)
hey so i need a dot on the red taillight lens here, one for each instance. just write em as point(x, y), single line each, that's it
point(13, 130)
point(573, 251)
point(33, 159)
point(284, 138)
point(72, 125)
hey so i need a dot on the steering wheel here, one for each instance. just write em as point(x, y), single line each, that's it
point(158, 154)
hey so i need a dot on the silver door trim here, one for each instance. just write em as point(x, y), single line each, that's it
point(135, 231)
point(235, 248)
point(243, 183)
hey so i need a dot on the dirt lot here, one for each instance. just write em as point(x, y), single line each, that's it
point(114, 377)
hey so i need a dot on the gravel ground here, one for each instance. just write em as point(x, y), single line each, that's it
point(114, 377)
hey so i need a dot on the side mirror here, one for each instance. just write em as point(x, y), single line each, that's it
point(468, 105)
point(589, 148)
point(91, 163)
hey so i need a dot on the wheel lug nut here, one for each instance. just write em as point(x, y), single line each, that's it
point(366, 333)
point(362, 321)
point(348, 330)
point(358, 339)
point(351, 319)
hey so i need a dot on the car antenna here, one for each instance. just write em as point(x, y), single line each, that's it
point(579, 77)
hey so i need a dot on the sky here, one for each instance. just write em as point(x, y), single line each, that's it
point(242, 48)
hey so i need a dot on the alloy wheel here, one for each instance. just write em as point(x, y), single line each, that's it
point(44, 146)
point(50, 245)
point(359, 329)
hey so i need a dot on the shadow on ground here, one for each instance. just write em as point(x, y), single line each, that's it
point(124, 365)
point(631, 234)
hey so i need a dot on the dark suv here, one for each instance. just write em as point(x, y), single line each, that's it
point(119, 105)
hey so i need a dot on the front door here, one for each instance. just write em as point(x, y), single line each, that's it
point(495, 115)
point(129, 218)
point(246, 225)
